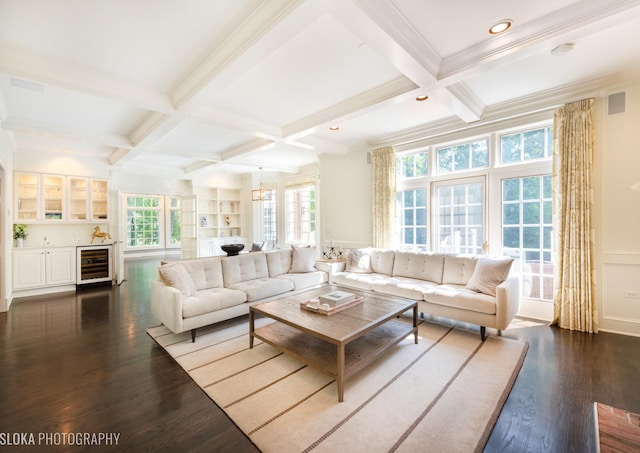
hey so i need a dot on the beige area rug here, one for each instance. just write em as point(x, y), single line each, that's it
point(443, 394)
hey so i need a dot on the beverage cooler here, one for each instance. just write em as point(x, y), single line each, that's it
point(94, 264)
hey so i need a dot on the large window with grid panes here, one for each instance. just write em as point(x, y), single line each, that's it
point(153, 221)
point(485, 194)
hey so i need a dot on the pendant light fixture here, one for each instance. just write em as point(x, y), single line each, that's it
point(261, 194)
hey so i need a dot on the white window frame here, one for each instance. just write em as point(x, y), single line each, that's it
point(290, 220)
point(163, 220)
point(167, 221)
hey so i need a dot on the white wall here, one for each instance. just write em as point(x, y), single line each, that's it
point(617, 214)
point(6, 214)
point(346, 204)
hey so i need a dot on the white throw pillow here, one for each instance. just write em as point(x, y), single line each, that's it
point(303, 259)
point(488, 274)
point(359, 261)
point(176, 275)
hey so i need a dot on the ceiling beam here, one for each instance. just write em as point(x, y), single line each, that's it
point(33, 66)
point(44, 129)
point(390, 90)
point(576, 20)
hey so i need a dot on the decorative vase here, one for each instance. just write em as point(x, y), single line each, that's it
point(19, 242)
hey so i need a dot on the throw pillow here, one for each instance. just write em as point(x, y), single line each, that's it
point(488, 274)
point(303, 259)
point(176, 275)
point(359, 261)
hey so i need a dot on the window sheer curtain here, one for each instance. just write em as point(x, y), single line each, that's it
point(574, 295)
point(383, 162)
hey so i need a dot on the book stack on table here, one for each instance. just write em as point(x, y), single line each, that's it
point(336, 298)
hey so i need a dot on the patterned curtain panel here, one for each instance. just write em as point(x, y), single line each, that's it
point(383, 162)
point(574, 295)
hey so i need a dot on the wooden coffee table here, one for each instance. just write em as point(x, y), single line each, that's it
point(340, 344)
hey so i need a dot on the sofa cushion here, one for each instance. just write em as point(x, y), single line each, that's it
point(261, 288)
point(359, 261)
point(403, 287)
point(461, 297)
point(211, 299)
point(278, 262)
point(205, 272)
point(489, 273)
point(358, 281)
point(303, 259)
point(419, 265)
point(382, 261)
point(176, 275)
point(240, 268)
point(458, 269)
point(306, 279)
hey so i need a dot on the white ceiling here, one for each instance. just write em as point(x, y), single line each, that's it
point(160, 86)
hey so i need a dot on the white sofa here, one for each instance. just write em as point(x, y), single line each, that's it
point(472, 289)
point(197, 292)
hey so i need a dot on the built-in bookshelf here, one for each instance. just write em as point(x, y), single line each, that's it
point(210, 218)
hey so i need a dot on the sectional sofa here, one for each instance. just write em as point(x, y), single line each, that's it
point(193, 293)
point(472, 289)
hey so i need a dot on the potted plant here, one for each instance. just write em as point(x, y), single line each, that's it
point(20, 233)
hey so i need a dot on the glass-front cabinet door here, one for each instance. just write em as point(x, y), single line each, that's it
point(53, 197)
point(99, 199)
point(78, 198)
point(27, 197)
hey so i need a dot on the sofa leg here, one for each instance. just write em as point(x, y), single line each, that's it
point(483, 333)
point(499, 333)
point(193, 335)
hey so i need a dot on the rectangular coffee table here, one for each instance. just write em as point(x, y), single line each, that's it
point(340, 344)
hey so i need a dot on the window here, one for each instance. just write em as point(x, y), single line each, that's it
point(173, 220)
point(465, 156)
point(460, 208)
point(269, 232)
point(412, 165)
point(526, 146)
point(527, 231)
point(144, 220)
point(300, 215)
point(411, 207)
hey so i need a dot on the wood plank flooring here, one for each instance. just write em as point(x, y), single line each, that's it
point(82, 362)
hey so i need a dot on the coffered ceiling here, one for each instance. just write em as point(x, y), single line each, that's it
point(182, 87)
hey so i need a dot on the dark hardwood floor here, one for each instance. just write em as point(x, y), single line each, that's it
point(83, 363)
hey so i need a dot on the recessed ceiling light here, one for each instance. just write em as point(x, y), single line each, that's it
point(334, 128)
point(422, 97)
point(500, 26)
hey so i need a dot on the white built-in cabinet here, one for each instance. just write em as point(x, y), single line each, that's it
point(43, 267)
point(209, 219)
point(47, 198)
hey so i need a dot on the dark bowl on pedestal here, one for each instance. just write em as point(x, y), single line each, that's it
point(232, 249)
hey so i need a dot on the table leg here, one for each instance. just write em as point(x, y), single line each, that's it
point(340, 377)
point(251, 329)
point(415, 323)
